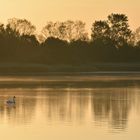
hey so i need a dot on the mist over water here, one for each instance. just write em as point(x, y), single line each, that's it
point(70, 107)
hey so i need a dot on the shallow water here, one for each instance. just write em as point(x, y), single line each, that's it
point(70, 108)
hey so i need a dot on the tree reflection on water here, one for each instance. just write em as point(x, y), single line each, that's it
point(108, 106)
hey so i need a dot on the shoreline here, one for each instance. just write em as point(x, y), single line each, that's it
point(94, 69)
point(94, 73)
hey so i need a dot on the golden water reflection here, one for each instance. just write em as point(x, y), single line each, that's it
point(97, 106)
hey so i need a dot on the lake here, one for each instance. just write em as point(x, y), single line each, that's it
point(70, 107)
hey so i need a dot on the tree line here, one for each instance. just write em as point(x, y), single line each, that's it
point(68, 43)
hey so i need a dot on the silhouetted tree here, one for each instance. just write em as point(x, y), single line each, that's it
point(136, 36)
point(119, 29)
point(100, 30)
point(56, 42)
point(22, 26)
point(2, 30)
point(68, 30)
point(2, 33)
point(67, 43)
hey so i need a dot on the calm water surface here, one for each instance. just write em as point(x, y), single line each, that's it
point(70, 108)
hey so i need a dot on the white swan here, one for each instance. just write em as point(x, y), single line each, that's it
point(11, 101)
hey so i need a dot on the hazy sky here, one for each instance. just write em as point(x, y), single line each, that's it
point(41, 11)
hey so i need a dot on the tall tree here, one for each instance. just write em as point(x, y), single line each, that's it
point(68, 30)
point(2, 34)
point(21, 26)
point(2, 30)
point(100, 30)
point(119, 29)
point(136, 36)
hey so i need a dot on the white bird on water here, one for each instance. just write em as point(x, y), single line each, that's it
point(11, 101)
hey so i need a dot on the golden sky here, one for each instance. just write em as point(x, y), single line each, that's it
point(41, 11)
